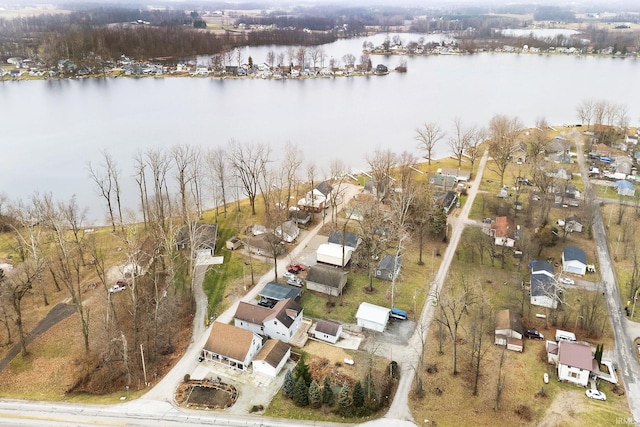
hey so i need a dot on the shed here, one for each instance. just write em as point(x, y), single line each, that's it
point(328, 330)
point(372, 316)
point(389, 267)
point(508, 330)
point(574, 260)
point(272, 357)
point(329, 253)
point(326, 279)
point(234, 243)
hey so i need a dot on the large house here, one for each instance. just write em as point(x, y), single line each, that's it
point(574, 260)
point(508, 332)
point(543, 285)
point(325, 279)
point(231, 346)
point(317, 199)
point(280, 322)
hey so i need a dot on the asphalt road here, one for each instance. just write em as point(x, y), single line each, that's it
point(625, 351)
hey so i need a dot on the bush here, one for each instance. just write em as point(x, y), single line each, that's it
point(524, 412)
point(288, 385)
point(187, 378)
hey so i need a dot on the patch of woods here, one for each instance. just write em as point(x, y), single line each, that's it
point(319, 385)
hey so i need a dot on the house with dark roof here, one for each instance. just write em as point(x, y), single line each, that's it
point(277, 291)
point(272, 357)
point(504, 231)
point(389, 267)
point(327, 330)
point(442, 182)
point(576, 362)
point(280, 322)
point(231, 346)
point(300, 217)
point(447, 200)
point(338, 237)
point(544, 288)
point(204, 236)
point(508, 332)
point(265, 245)
point(327, 280)
point(318, 199)
point(574, 260)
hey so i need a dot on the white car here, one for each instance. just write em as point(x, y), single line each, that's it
point(118, 287)
point(289, 276)
point(592, 393)
point(566, 280)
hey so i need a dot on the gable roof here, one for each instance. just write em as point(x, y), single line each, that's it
point(350, 239)
point(273, 352)
point(328, 327)
point(442, 180)
point(541, 266)
point(324, 187)
point(572, 253)
point(285, 311)
point(371, 312)
point(575, 354)
point(204, 234)
point(278, 291)
point(251, 313)
point(229, 341)
point(505, 319)
point(390, 262)
point(504, 227)
point(542, 285)
point(327, 276)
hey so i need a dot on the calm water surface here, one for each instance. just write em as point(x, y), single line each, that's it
point(51, 129)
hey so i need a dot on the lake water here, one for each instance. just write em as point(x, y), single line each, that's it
point(51, 129)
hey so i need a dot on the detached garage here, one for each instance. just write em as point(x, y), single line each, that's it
point(373, 317)
point(272, 357)
point(331, 254)
point(574, 260)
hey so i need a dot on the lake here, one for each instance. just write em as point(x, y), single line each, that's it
point(51, 129)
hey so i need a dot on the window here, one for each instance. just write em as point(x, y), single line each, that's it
point(573, 374)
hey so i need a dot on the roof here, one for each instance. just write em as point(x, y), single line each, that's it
point(328, 327)
point(229, 341)
point(624, 184)
point(575, 354)
point(251, 313)
point(335, 251)
point(390, 262)
point(278, 291)
point(540, 266)
point(505, 319)
point(542, 285)
point(373, 313)
point(324, 187)
point(456, 173)
point(285, 311)
point(327, 276)
point(572, 253)
point(350, 239)
point(273, 352)
point(442, 180)
point(504, 227)
point(204, 234)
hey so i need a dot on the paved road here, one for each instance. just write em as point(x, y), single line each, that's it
point(625, 351)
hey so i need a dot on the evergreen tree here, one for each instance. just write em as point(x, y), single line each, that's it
point(344, 398)
point(302, 370)
point(288, 385)
point(301, 393)
point(327, 392)
point(358, 395)
point(315, 397)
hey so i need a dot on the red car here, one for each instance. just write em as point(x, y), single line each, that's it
point(296, 268)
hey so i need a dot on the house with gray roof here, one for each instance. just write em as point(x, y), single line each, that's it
point(389, 267)
point(574, 260)
point(280, 322)
point(327, 330)
point(327, 280)
point(272, 357)
point(338, 237)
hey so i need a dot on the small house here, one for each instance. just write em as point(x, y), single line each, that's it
point(508, 332)
point(446, 200)
point(543, 291)
point(372, 316)
point(504, 231)
point(203, 235)
point(327, 280)
point(327, 330)
point(299, 217)
point(267, 245)
point(458, 174)
point(576, 363)
point(389, 267)
point(231, 346)
point(625, 188)
point(287, 231)
point(574, 260)
point(573, 224)
point(272, 358)
point(349, 239)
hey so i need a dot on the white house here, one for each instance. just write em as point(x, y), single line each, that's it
point(576, 362)
point(372, 316)
point(272, 358)
point(287, 231)
point(543, 290)
point(280, 322)
point(329, 253)
point(508, 331)
point(327, 330)
point(574, 260)
point(504, 231)
point(231, 346)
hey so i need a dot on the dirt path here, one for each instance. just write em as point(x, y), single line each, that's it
point(56, 315)
point(563, 408)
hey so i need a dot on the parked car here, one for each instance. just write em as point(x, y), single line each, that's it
point(266, 302)
point(532, 334)
point(592, 393)
point(296, 268)
point(396, 313)
point(289, 276)
point(295, 282)
point(566, 280)
point(120, 286)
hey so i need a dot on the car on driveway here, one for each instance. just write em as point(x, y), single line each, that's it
point(296, 268)
point(120, 286)
point(592, 393)
point(532, 334)
point(566, 280)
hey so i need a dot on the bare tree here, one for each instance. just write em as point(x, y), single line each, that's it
point(338, 178)
point(420, 212)
point(481, 325)
point(16, 286)
point(428, 137)
point(290, 167)
point(380, 165)
point(301, 56)
point(291, 54)
point(499, 383)
point(314, 55)
point(160, 209)
point(460, 140)
point(280, 59)
point(349, 60)
point(141, 181)
point(271, 58)
point(473, 150)
point(585, 112)
point(452, 308)
point(249, 164)
point(108, 186)
point(239, 57)
point(219, 174)
point(373, 245)
point(184, 158)
point(503, 131)
point(538, 141)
